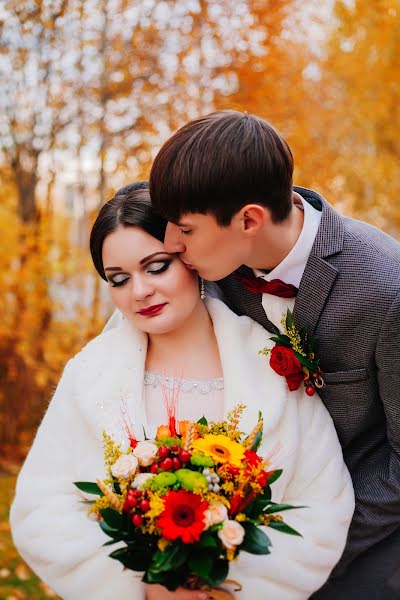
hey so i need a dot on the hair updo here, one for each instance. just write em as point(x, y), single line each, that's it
point(130, 207)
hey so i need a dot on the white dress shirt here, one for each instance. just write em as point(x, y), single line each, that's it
point(291, 269)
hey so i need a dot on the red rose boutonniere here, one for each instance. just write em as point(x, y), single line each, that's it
point(293, 357)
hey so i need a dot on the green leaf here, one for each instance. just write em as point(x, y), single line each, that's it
point(112, 518)
point(202, 421)
point(274, 476)
point(305, 362)
point(257, 507)
point(110, 531)
point(266, 495)
point(171, 580)
point(110, 542)
point(281, 340)
point(136, 559)
point(289, 319)
point(274, 508)
point(155, 577)
point(219, 572)
point(257, 442)
point(207, 540)
point(89, 487)
point(201, 563)
point(284, 528)
point(172, 557)
point(120, 553)
point(275, 329)
point(255, 540)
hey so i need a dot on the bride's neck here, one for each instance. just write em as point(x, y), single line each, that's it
point(178, 352)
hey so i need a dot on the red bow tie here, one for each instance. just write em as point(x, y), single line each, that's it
point(276, 287)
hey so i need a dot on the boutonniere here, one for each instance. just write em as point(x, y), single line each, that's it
point(293, 356)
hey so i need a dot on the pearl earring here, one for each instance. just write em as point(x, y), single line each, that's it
point(202, 290)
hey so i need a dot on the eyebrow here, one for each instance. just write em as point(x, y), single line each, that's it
point(145, 259)
point(152, 256)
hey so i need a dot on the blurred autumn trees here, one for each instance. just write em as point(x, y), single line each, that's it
point(89, 90)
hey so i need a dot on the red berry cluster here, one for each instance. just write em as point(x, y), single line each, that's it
point(136, 503)
point(170, 459)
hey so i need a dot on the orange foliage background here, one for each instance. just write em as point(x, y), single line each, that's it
point(90, 91)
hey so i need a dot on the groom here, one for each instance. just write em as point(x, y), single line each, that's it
point(224, 181)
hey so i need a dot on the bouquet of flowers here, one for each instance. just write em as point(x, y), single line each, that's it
point(185, 504)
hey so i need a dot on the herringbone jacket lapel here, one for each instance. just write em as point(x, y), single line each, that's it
point(319, 275)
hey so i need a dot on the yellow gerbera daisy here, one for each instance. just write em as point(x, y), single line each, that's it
point(220, 448)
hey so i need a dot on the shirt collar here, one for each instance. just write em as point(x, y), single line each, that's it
point(291, 269)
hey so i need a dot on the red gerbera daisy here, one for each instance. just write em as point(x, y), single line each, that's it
point(183, 516)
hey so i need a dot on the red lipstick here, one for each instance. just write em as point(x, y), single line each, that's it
point(151, 310)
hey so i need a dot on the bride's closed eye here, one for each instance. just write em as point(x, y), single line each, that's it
point(118, 280)
point(155, 268)
point(158, 267)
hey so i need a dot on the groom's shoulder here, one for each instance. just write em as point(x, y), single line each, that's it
point(369, 263)
point(367, 244)
point(371, 238)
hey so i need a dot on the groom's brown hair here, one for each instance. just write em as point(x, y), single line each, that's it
point(218, 163)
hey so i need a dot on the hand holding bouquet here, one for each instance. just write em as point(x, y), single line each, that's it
point(185, 504)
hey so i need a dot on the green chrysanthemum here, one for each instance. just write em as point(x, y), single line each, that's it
point(201, 460)
point(191, 480)
point(161, 481)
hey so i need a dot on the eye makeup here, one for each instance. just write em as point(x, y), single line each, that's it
point(153, 268)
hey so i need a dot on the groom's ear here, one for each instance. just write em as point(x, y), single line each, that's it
point(252, 218)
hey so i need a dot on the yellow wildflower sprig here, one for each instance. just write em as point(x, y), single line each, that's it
point(112, 450)
point(267, 519)
point(233, 417)
point(296, 342)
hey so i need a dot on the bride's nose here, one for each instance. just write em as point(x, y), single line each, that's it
point(172, 241)
point(141, 288)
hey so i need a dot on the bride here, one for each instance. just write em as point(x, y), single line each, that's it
point(170, 338)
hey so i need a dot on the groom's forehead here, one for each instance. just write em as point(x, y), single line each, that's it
point(191, 219)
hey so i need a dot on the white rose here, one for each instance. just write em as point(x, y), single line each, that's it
point(216, 513)
point(125, 466)
point(231, 534)
point(140, 479)
point(146, 453)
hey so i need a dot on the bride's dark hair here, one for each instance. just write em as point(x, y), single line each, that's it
point(130, 207)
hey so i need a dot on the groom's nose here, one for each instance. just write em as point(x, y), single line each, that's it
point(172, 240)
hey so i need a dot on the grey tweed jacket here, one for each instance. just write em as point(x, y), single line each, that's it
point(349, 297)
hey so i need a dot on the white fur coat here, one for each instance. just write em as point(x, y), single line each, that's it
point(48, 517)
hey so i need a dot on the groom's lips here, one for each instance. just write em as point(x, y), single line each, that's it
point(151, 310)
